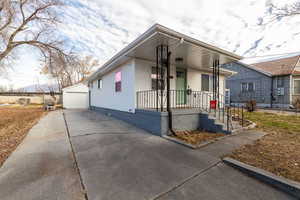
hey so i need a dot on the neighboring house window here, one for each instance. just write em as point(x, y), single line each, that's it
point(205, 83)
point(250, 87)
point(118, 81)
point(99, 83)
point(280, 81)
point(161, 83)
point(244, 87)
point(297, 86)
point(247, 87)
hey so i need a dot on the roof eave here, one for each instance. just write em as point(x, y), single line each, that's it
point(255, 69)
point(157, 28)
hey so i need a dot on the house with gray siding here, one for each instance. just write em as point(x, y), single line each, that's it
point(273, 83)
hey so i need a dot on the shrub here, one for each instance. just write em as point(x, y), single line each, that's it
point(251, 105)
point(296, 103)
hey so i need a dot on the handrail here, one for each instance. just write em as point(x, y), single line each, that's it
point(188, 99)
point(152, 99)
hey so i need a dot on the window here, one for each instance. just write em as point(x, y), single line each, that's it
point(99, 83)
point(205, 83)
point(280, 81)
point(250, 87)
point(244, 87)
point(297, 86)
point(118, 81)
point(161, 83)
point(247, 87)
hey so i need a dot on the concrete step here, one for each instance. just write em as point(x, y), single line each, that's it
point(211, 123)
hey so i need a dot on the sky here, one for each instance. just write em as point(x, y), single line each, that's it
point(103, 27)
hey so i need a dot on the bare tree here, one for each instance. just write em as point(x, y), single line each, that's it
point(84, 67)
point(288, 10)
point(29, 22)
point(69, 70)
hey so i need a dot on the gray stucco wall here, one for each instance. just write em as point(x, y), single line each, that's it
point(157, 122)
point(147, 120)
point(262, 84)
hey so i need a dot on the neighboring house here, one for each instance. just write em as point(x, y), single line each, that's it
point(134, 84)
point(76, 96)
point(271, 83)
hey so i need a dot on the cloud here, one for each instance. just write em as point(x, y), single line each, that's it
point(103, 27)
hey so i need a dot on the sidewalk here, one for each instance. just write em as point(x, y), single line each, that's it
point(42, 166)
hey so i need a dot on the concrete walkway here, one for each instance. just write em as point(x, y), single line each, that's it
point(118, 161)
point(42, 167)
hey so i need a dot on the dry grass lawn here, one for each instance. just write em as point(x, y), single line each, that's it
point(278, 151)
point(196, 137)
point(15, 122)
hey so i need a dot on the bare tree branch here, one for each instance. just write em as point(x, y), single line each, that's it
point(289, 10)
point(69, 70)
point(31, 22)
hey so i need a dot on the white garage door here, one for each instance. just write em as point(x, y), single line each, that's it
point(75, 100)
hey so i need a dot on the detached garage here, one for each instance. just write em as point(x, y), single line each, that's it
point(76, 97)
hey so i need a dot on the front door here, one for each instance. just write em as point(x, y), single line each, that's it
point(180, 86)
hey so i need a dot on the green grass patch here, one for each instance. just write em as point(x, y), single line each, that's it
point(275, 122)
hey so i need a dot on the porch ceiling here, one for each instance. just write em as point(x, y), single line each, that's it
point(194, 55)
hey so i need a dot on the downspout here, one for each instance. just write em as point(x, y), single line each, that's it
point(170, 123)
point(272, 95)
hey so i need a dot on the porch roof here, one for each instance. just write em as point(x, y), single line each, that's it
point(193, 53)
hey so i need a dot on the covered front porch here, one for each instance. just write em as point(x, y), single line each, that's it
point(187, 83)
point(185, 73)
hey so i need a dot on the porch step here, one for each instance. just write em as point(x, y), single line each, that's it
point(210, 123)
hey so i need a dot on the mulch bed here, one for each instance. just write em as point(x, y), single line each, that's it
point(196, 137)
point(14, 126)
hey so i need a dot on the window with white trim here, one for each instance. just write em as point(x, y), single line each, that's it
point(118, 81)
point(247, 87)
point(154, 77)
point(250, 87)
point(297, 86)
point(244, 87)
point(206, 82)
point(99, 84)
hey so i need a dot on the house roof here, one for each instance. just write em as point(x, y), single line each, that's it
point(278, 67)
point(194, 51)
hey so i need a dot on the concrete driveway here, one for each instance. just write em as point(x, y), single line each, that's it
point(118, 161)
point(42, 167)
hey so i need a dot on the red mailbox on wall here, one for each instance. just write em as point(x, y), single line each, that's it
point(213, 104)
